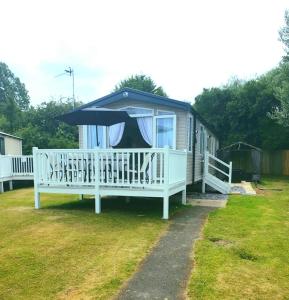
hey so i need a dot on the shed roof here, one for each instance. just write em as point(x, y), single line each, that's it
point(128, 93)
point(240, 146)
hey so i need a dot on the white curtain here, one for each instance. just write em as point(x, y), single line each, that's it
point(115, 133)
point(145, 125)
point(93, 140)
point(91, 137)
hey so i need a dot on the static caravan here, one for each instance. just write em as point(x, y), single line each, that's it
point(161, 146)
point(10, 144)
point(13, 165)
point(162, 122)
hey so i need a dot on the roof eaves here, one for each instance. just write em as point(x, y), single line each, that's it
point(10, 135)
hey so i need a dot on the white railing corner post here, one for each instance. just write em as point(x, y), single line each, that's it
point(166, 166)
point(167, 182)
point(205, 171)
point(0, 166)
point(36, 176)
point(97, 193)
point(230, 173)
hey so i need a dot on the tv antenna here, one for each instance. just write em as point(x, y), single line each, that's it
point(69, 71)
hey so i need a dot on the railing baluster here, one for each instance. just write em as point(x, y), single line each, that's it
point(138, 167)
point(122, 167)
point(128, 166)
point(117, 168)
point(133, 168)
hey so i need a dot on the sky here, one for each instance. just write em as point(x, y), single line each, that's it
point(184, 45)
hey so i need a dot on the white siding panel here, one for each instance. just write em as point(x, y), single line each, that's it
point(12, 146)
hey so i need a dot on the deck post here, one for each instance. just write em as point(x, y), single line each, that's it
point(1, 187)
point(203, 186)
point(166, 185)
point(184, 192)
point(166, 207)
point(97, 194)
point(35, 168)
point(205, 171)
point(184, 197)
point(10, 185)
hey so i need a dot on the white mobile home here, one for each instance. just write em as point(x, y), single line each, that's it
point(162, 147)
point(10, 144)
point(184, 128)
point(13, 165)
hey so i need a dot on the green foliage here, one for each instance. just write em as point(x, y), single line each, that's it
point(239, 110)
point(44, 131)
point(280, 81)
point(142, 83)
point(12, 88)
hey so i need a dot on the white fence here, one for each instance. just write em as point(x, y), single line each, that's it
point(13, 166)
point(110, 167)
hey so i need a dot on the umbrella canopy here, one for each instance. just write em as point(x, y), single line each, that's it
point(95, 116)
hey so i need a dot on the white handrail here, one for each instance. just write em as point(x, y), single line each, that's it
point(208, 165)
point(217, 159)
point(219, 170)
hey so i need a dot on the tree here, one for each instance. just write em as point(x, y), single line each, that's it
point(11, 88)
point(238, 111)
point(41, 129)
point(284, 35)
point(141, 82)
point(280, 81)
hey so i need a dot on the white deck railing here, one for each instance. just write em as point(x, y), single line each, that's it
point(13, 166)
point(217, 173)
point(109, 167)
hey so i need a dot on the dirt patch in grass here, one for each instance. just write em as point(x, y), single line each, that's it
point(221, 242)
point(20, 209)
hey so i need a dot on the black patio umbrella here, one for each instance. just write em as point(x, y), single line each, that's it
point(94, 116)
point(98, 116)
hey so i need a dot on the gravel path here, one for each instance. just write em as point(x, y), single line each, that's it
point(165, 272)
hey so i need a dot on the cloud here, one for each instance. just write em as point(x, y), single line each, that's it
point(184, 46)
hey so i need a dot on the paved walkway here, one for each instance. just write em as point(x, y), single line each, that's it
point(165, 272)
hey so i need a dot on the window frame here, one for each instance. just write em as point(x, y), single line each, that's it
point(151, 114)
point(2, 141)
point(202, 140)
point(155, 137)
point(190, 134)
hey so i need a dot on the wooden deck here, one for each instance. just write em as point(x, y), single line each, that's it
point(111, 172)
point(15, 167)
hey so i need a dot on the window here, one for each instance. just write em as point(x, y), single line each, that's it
point(138, 111)
point(96, 138)
point(202, 140)
point(164, 112)
point(190, 134)
point(166, 131)
point(2, 146)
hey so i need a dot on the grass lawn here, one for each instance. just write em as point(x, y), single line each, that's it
point(65, 251)
point(245, 250)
